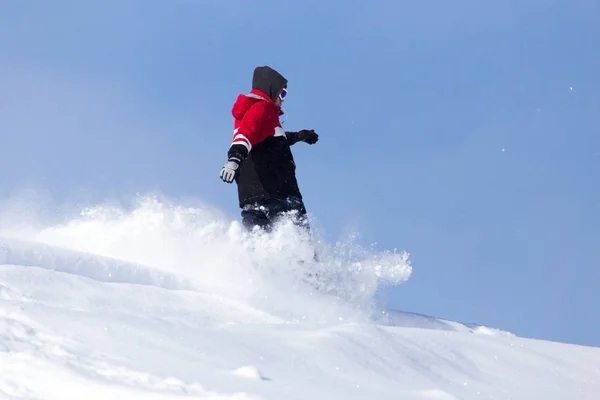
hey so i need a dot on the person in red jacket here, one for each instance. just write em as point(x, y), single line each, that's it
point(260, 158)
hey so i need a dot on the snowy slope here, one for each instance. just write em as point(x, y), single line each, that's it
point(168, 302)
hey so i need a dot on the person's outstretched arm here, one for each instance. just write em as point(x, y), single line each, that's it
point(246, 135)
point(305, 135)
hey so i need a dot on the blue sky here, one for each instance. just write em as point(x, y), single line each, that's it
point(449, 130)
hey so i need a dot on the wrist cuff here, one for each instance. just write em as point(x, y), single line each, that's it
point(238, 151)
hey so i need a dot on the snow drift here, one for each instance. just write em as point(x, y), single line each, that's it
point(167, 301)
point(197, 248)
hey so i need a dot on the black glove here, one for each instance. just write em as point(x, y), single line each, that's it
point(305, 135)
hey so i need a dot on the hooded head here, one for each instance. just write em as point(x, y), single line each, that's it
point(268, 81)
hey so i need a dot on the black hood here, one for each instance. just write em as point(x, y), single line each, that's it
point(269, 81)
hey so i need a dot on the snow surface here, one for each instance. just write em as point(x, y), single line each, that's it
point(172, 302)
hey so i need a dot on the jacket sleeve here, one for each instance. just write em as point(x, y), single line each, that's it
point(248, 132)
point(292, 137)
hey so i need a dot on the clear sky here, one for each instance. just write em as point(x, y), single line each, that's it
point(466, 132)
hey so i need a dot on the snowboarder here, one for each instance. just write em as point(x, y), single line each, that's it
point(260, 158)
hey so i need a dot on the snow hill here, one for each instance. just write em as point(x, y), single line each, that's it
point(171, 302)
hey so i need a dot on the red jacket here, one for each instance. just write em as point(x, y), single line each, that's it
point(256, 119)
point(268, 171)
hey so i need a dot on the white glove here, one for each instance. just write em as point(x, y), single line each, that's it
point(229, 169)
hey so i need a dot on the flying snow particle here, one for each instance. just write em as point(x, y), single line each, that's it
point(249, 371)
point(571, 88)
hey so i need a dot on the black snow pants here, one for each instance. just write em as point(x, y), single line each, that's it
point(266, 213)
